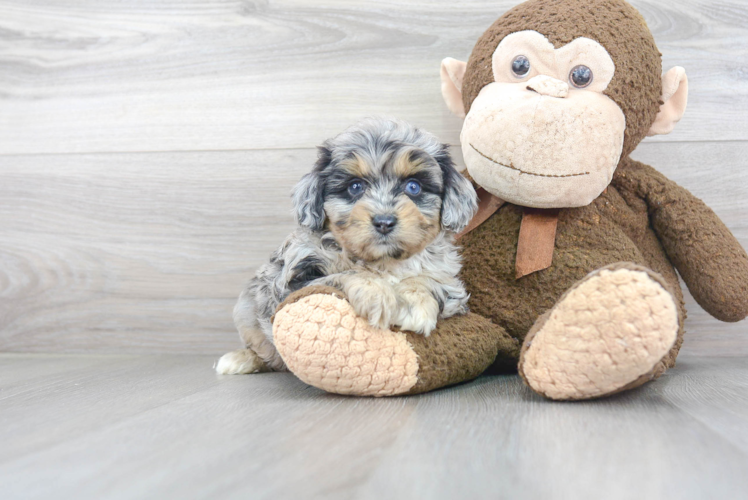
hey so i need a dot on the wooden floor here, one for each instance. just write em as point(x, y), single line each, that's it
point(139, 426)
point(147, 150)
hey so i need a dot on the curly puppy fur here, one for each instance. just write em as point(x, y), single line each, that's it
point(376, 217)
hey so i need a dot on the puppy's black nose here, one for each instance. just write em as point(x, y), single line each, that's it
point(384, 223)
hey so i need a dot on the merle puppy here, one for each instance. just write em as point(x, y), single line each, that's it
point(377, 217)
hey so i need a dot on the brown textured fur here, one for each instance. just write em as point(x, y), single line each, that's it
point(587, 238)
point(643, 218)
point(460, 349)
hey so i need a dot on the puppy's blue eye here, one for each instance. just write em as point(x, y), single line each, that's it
point(413, 188)
point(355, 188)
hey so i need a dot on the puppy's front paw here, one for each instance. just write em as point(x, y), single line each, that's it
point(418, 309)
point(377, 308)
point(373, 300)
point(421, 318)
point(419, 321)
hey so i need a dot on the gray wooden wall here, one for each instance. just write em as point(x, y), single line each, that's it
point(147, 147)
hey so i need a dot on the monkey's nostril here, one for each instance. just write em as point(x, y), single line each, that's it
point(384, 224)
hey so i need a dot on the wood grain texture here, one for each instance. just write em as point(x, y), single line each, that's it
point(136, 251)
point(148, 252)
point(119, 427)
point(104, 76)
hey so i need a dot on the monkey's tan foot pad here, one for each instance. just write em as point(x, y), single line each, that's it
point(607, 334)
point(325, 344)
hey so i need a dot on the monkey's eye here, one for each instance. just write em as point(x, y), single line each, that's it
point(413, 187)
point(356, 187)
point(520, 66)
point(580, 76)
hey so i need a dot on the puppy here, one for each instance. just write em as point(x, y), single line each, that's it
point(376, 217)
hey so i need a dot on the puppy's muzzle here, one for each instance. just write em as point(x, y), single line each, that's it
point(384, 224)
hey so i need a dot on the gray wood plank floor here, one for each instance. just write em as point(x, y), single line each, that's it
point(139, 426)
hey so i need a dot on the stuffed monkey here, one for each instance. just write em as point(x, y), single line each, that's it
point(571, 261)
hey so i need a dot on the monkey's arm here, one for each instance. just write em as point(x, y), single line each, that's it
point(708, 257)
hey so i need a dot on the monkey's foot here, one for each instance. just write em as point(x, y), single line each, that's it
point(609, 333)
point(325, 344)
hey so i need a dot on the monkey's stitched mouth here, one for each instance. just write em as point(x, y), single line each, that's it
point(512, 167)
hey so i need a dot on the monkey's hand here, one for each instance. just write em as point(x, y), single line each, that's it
point(371, 296)
point(418, 310)
point(708, 257)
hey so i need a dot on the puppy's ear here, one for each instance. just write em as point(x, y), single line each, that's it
point(459, 202)
point(308, 194)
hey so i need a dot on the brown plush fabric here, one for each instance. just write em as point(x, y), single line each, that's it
point(708, 257)
point(643, 218)
point(487, 206)
point(460, 349)
point(608, 231)
point(636, 86)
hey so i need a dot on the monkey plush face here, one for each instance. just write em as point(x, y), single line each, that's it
point(554, 94)
point(545, 101)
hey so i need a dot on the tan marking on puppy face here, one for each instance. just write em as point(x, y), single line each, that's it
point(355, 232)
point(415, 230)
point(356, 166)
point(406, 165)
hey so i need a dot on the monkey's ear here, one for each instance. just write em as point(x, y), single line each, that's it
point(460, 202)
point(452, 73)
point(675, 98)
point(307, 195)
